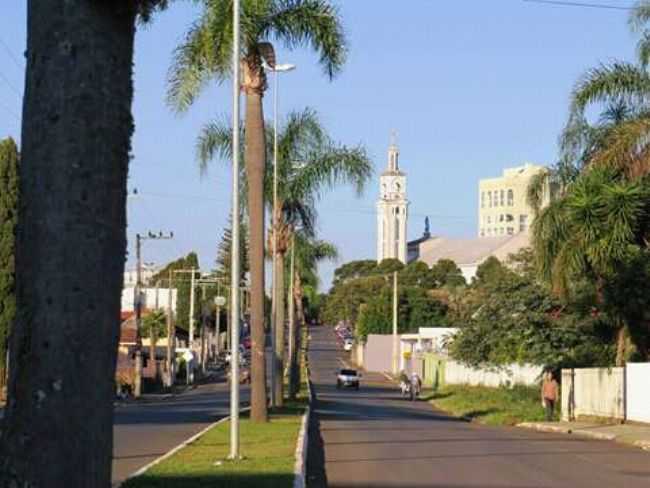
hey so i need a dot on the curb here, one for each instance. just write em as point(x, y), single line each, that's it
point(300, 467)
point(642, 444)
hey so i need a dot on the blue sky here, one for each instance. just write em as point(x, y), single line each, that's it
point(471, 87)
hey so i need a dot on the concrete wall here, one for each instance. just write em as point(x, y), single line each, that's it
point(597, 392)
point(378, 353)
point(638, 392)
point(459, 374)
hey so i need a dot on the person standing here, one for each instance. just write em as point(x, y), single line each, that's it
point(550, 393)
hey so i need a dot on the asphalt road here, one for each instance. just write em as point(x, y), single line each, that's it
point(145, 431)
point(374, 438)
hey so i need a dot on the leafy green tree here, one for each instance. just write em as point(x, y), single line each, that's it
point(424, 310)
point(71, 241)
point(354, 270)
point(491, 272)
point(183, 285)
point(446, 273)
point(389, 265)
point(416, 273)
point(344, 300)
point(204, 55)
point(8, 220)
point(519, 321)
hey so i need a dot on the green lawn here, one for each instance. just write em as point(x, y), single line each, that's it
point(492, 406)
point(268, 450)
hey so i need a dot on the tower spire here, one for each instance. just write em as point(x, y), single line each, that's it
point(393, 153)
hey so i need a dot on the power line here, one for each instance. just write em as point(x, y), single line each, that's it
point(581, 4)
point(10, 85)
point(9, 111)
point(20, 65)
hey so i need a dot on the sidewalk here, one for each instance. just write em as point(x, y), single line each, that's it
point(631, 434)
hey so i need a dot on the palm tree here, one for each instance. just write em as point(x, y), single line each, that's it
point(308, 253)
point(621, 138)
point(599, 226)
point(308, 164)
point(71, 242)
point(205, 55)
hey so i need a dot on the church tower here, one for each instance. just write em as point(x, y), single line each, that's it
point(392, 209)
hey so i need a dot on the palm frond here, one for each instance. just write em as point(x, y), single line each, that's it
point(205, 54)
point(611, 82)
point(315, 23)
point(625, 147)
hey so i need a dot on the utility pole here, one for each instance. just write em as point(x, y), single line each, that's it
point(171, 336)
point(137, 387)
point(395, 337)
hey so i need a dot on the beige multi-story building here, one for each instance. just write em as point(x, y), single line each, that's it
point(503, 207)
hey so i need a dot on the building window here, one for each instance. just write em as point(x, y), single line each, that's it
point(502, 218)
point(482, 199)
point(489, 219)
point(511, 231)
point(523, 223)
point(489, 232)
point(511, 198)
point(502, 200)
point(482, 234)
point(501, 231)
point(490, 199)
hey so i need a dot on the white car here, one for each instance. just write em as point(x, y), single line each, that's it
point(347, 345)
point(347, 377)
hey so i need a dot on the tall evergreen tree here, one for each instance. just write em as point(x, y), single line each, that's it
point(224, 250)
point(8, 219)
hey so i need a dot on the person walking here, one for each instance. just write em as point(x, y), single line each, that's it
point(550, 393)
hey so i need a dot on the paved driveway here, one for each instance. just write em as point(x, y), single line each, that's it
point(375, 438)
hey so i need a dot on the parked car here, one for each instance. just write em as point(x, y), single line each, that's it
point(347, 378)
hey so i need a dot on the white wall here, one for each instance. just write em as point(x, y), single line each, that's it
point(638, 392)
point(128, 295)
point(514, 374)
point(468, 271)
point(594, 392)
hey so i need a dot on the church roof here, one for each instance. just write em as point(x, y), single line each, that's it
point(471, 251)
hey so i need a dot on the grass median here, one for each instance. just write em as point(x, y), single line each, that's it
point(491, 406)
point(268, 450)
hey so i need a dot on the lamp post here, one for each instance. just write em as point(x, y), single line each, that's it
point(395, 337)
point(234, 268)
point(219, 302)
point(276, 69)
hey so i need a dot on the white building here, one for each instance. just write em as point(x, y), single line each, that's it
point(503, 207)
point(392, 210)
point(468, 254)
point(153, 299)
point(147, 272)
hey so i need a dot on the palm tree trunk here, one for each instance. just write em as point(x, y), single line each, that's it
point(299, 324)
point(71, 241)
point(255, 157)
point(278, 356)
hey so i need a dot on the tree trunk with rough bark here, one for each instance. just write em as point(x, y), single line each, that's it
point(255, 157)
point(77, 126)
point(299, 324)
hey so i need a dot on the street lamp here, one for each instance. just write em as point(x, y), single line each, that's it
point(277, 69)
point(234, 268)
